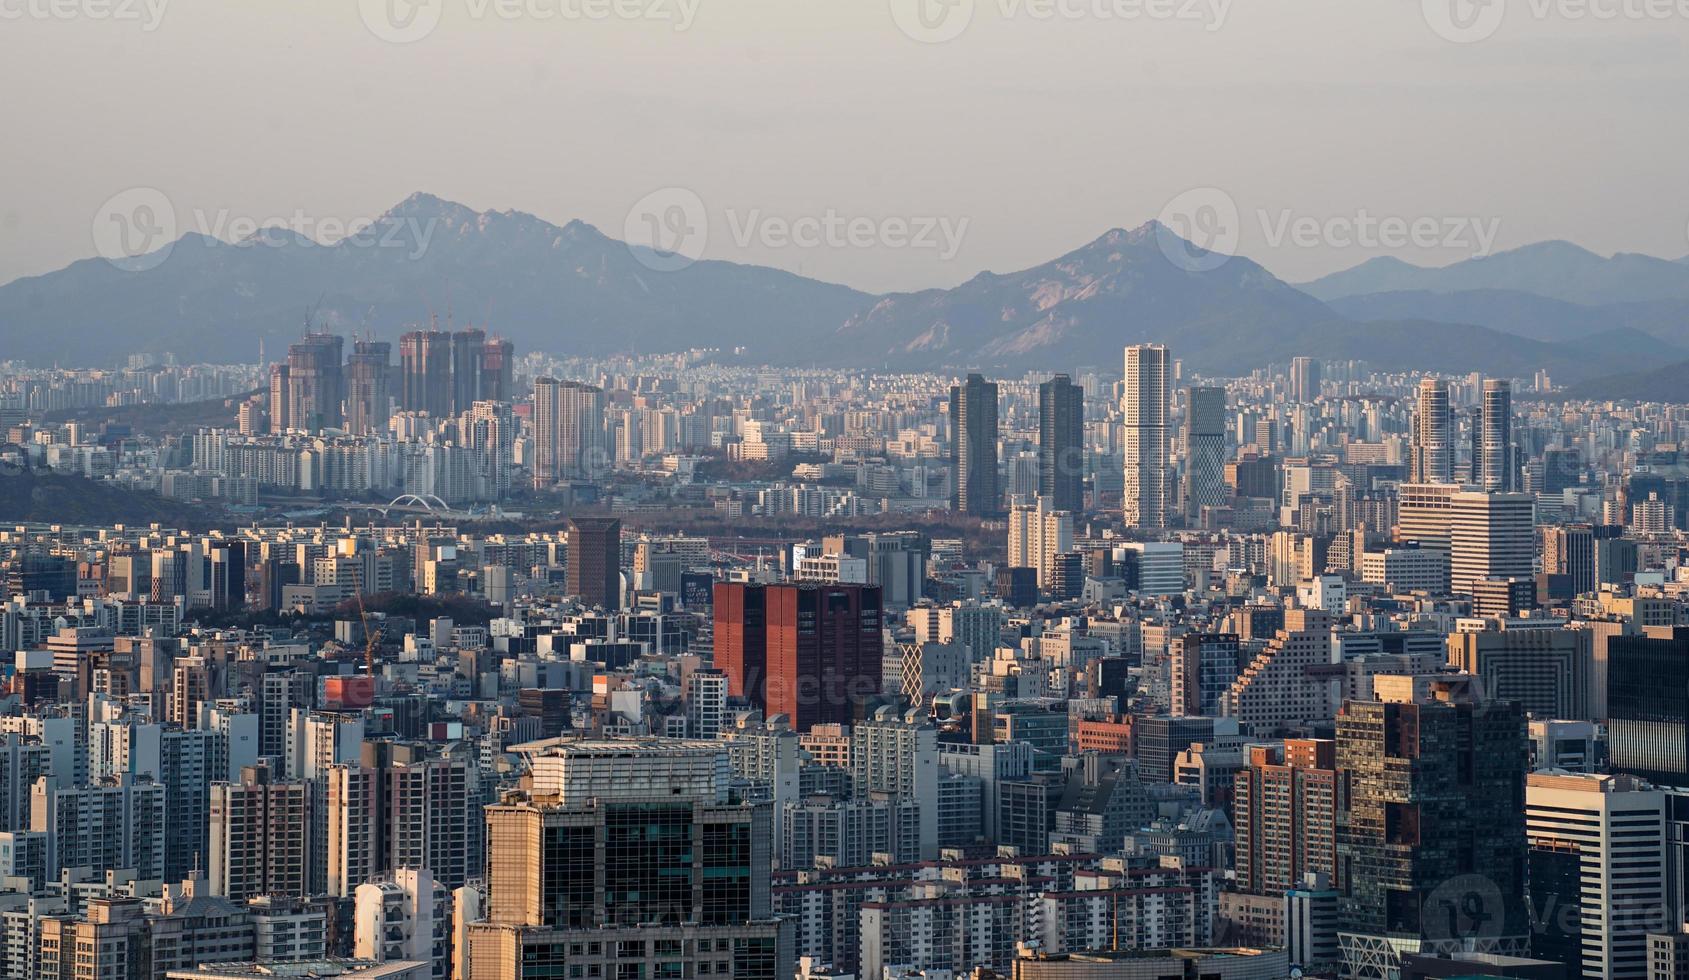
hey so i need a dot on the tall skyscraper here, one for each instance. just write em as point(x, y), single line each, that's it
point(1431, 823)
point(1496, 473)
point(498, 365)
point(468, 359)
point(368, 401)
point(627, 859)
point(595, 560)
point(1304, 379)
point(316, 382)
point(1149, 372)
point(1433, 435)
point(280, 420)
point(1205, 450)
point(425, 365)
point(569, 434)
point(1061, 443)
point(973, 447)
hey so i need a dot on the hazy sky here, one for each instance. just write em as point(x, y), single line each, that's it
point(1038, 127)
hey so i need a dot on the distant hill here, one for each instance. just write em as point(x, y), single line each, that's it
point(1663, 384)
point(1224, 317)
point(44, 497)
point(568, 289)
point(1659, 328)
point(572, 289)
point(1556, 270)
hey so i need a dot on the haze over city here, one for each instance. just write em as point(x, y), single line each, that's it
point(1101, 113)
point(844, 490)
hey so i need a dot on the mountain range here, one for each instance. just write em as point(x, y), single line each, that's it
point(571, 289)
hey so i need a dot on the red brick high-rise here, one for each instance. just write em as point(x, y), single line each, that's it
point(1285, 815)
point(820, 650)
point(741, 639)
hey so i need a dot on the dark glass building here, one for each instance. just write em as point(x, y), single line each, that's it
point(595, 560)
point(973, 448)
point(1061, 443)
point(1431, 825)
point(1648, 705)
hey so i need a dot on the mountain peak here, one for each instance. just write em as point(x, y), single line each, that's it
point(425, 206)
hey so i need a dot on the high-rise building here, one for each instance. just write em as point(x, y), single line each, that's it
point(369, 404)
point(114, 822)
point(896, 562)
point(1431, 823)
point(260, 836)
point(1486, 535)
point(1284, 804)
point(626, 858)
point(1204, 666)
point(897, 758)
point(468, 364)
point(1061, 443)
point(595, 560)
point(316, 382)
point(740, 612)
point(353, 803)
point(280, 385)
point(973, 447)
point(1648, 705)
point(498, 366)
point(433, 812)
point(1205, 450)
point(825, 649)
point(817, 657)
point(1496, 440)
point(226, 574)
point(1569, 550)
point(1433, 452)
point(1545, 670)
point(1492, 536)
point(569, 433)
point(1149, 373)
point(1037, 534)
point(1304, 379)
point(1598, 853)
point(425, 372)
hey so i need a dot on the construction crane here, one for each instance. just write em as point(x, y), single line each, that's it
point(369, 634)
